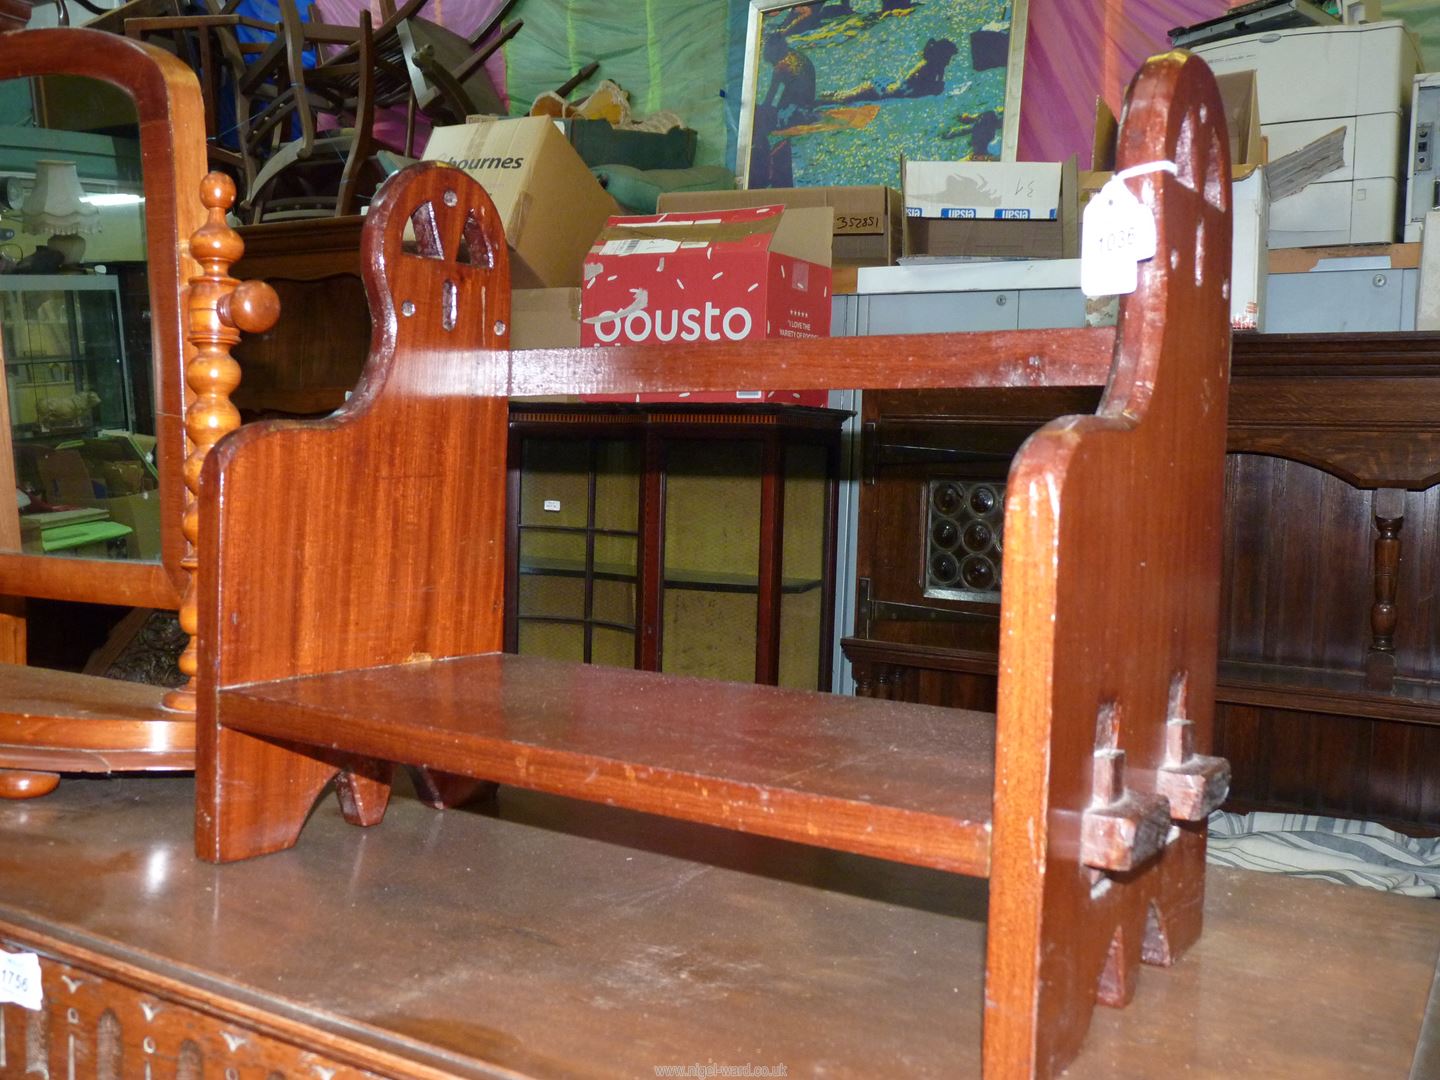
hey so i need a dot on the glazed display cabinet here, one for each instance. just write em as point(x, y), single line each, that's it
point(689, 539)
point(65, 366)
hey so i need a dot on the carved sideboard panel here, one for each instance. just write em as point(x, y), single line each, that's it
point(93, 1026)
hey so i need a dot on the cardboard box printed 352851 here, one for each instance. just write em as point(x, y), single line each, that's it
point(548, 201)
point(722, 275)
point(867, 218)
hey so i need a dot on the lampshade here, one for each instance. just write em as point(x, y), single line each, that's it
point(55, 204)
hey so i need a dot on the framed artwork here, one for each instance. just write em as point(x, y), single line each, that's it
point(835, 92)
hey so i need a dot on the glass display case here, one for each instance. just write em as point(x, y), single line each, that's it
point(694, 540)
point(81, 420)
point(65, 365)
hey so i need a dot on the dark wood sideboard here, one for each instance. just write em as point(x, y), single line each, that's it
point(544, 938)
point(1329, 695)
point(304, 365)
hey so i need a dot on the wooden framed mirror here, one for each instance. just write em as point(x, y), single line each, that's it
point(95, 357)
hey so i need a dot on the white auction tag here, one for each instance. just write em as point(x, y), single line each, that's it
point(1118, 233)
point(20, 980)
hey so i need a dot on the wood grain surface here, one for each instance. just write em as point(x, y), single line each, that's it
point(54, 721)
point(600, 943)
point(911, 783)
point(1111, 606)
point(1108, 625)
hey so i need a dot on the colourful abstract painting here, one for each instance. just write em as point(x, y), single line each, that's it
point(840, 90)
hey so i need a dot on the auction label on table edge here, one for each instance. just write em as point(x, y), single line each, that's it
point(20, 980)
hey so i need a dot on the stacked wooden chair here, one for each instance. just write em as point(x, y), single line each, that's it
point(272, 139)
point(357, 622)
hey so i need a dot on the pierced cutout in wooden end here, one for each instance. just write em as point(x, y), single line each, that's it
point(1155, 949)
point(1119, 976)
point(1195, 784)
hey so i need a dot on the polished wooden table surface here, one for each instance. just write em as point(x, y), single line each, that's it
point(552, 938)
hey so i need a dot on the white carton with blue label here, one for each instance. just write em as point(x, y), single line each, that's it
point(986, 190)
point(990, 209)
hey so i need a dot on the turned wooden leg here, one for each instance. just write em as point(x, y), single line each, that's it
point(1389, 511)
point(23, 784)
point(864, 678)
point(885, 682)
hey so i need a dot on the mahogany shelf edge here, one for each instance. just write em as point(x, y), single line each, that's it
point(877, 650)
point(700, 580)
point(1241, 682)
point(1336, 355)
point(907, 783)
point(1342, 693)
point(68, 722)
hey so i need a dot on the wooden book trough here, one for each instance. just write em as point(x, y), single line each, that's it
point(353, 571)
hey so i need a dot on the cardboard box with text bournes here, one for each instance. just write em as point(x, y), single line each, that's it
point(548, 201)
point(728, 275)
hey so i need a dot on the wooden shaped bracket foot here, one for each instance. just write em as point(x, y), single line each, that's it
point(445, 791)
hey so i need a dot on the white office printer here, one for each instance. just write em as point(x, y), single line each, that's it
point(1312, 80)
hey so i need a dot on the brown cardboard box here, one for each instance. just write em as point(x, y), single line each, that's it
point(550, 204)
point(545, 319)
point(1051, 231)
point(711, 275)
point(867, 218)
point(141, 512)
point(68, 481)
point(65, 479)
point(1242, 119)
point(1250, 197)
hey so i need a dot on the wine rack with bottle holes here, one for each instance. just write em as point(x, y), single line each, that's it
point(964, 539)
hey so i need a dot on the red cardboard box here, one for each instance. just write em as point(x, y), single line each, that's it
point(723, 275)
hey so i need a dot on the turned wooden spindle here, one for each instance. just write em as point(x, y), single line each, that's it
point(1389, 511)
point(218, 309)
point(864, 678)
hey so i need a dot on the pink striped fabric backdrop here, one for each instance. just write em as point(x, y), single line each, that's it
point(1076, 51)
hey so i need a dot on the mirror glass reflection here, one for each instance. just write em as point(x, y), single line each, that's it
point(75, 322)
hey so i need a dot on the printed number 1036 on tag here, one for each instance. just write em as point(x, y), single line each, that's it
point(1117, 234)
